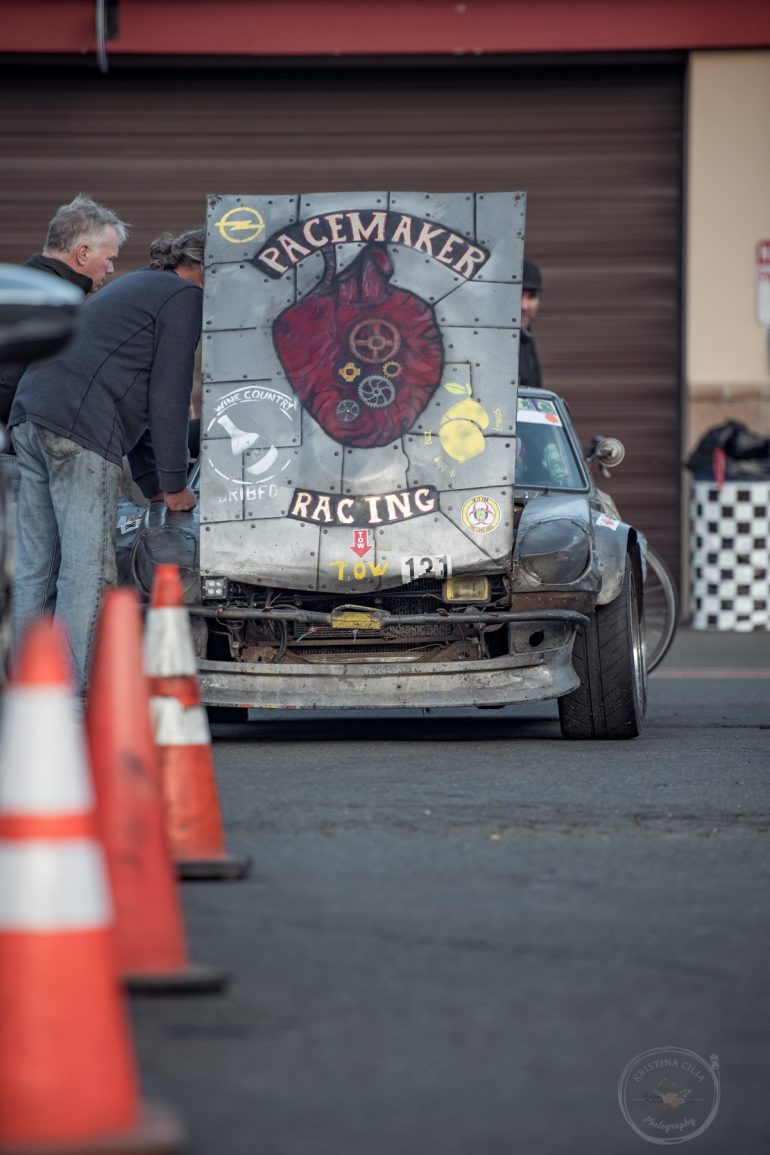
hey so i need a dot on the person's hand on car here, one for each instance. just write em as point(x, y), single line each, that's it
point(181, 500)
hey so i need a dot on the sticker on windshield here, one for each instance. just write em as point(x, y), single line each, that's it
point(538, 410)
point(414, 568)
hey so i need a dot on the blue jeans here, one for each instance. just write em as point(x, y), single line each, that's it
point(65, 531)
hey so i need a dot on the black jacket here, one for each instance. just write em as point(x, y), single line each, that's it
point(11, 371)
point(128, 372)
point(529, 362)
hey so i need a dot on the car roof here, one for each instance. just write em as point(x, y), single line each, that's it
point(530, 391)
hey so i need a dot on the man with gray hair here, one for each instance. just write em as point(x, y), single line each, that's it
point(81, 246)
point(122, 387)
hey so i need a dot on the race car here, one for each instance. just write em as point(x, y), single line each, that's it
point(385, 519)
point(563, 620)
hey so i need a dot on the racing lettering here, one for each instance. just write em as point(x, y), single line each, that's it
point(363, 510)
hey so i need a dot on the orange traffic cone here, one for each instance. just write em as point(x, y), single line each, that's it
point(67, 1078)
point(152, 952)
point(183, 737)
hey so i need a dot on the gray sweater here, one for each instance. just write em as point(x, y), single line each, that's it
point(122, 386)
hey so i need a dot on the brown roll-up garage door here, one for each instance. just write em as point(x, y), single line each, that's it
point(597, 148)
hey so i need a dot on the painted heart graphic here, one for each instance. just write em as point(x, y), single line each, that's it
point(363, 356)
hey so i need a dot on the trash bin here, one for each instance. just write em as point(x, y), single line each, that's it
point(730, 555)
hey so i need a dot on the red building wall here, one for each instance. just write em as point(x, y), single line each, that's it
point(315, 28)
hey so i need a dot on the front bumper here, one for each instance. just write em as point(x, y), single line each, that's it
point(525, 674)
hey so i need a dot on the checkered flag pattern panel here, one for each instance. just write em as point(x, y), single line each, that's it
point(730, 555)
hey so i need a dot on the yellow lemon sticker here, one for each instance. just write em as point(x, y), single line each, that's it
point(461, 430)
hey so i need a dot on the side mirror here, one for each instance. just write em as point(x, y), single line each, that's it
point(609, 452)
point(38, 313)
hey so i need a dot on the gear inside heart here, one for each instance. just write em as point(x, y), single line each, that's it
point(363, 356)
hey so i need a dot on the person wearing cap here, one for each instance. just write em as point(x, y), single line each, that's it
point(529, 362)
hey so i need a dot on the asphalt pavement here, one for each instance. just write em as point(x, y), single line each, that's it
point(460, 929)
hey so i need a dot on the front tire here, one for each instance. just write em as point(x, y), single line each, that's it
point(608, 656)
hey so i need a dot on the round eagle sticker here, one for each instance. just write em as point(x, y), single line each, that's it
point(481, 514)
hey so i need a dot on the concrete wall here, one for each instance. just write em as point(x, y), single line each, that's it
point(727, 357)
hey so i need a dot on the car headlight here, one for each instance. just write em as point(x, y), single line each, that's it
point(555, 552)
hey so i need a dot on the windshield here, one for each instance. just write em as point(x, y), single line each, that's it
point(545, 457)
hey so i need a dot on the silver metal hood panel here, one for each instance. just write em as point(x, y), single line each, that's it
point(334, 456)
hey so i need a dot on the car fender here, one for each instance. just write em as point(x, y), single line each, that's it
point(613, 539)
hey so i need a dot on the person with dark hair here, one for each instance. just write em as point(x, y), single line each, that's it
point(81, 246)
point(122, 387)
point(529, 361)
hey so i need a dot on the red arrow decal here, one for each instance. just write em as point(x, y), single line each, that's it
point(361, 543)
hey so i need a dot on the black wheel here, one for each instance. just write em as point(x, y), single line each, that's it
point(661, 610)
point(608, 657)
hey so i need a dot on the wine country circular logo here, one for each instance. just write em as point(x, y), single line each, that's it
point(254, 431)
point(669, 1095)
